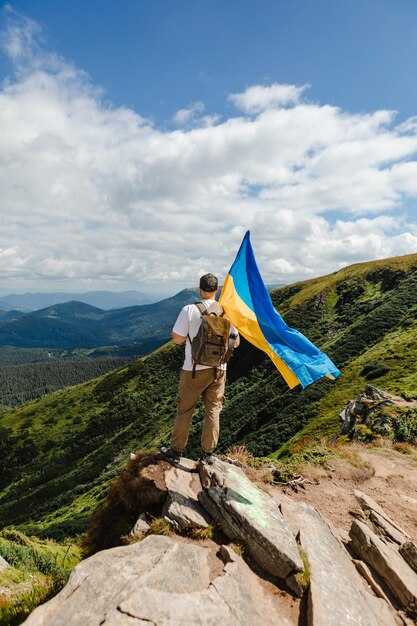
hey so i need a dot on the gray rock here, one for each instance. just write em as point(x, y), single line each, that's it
point(234, 598)
point(373, 509)
point(362, 410)
point(247, 513)
point(366, 572)
point(337, 594)
point(408, 551)
point(3, 564)
point(388, 563)
point(377, 394)
point(100, 583)
point(182, 507)
point(368, 505)
point(117, 618)
point(384, 528)
point(163, 582)
point(141, 526)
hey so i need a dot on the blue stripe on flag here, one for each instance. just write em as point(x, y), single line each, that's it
point(306, 361)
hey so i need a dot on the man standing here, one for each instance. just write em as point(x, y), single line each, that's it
point(198, 380)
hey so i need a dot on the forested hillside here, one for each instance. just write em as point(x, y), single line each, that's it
point(58, 453)
point(21, 383)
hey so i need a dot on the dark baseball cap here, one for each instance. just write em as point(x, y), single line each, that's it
point(208, 282)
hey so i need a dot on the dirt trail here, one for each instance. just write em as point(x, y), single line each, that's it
point(388, 476)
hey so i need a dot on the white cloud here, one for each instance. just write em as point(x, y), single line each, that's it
point(96, 196)
point(262, 97)
point(183, 116)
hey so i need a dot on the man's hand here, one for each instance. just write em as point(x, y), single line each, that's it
point(179, 339)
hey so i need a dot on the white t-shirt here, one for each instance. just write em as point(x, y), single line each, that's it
point(188, 322)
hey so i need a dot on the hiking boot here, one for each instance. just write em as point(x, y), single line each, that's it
point(170, 455)
point(207, 458)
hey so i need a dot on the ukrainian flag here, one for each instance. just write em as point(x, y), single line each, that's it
point(248, 305)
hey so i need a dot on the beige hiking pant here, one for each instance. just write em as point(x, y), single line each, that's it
point(212, 392)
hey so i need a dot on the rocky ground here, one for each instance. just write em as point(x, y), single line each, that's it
point(338, 549)
point(387, 475)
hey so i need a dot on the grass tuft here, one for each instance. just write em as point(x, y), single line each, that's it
point(402, 447)
point(160, 526)
point(239, 453)
point(203, 533)
point(303, 578)
point(239, 547)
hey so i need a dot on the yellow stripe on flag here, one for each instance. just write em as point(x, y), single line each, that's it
point(245, 321)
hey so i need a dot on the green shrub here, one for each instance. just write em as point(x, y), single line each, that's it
point(12, 534)
point(405, 427)
point(363, 433)
point(374, 369)
point(410, 395)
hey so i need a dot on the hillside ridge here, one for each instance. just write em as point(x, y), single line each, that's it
point(62, 450)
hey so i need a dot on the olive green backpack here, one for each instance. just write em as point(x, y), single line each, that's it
point(212, 345)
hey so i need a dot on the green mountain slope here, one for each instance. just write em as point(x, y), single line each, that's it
point(57, 454)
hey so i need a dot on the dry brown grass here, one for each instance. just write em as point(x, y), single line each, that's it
point(203, 533)
point(240, 453)
point(259, 475)
point(239, 547)
point(139, 488)
point(129, 539)
point(160, 526)
point(311, 471)
point(350, 455)
point(404, 448)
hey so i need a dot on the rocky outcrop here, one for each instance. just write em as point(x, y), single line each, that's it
point(246, 513)
point(388, 552)
point(386, 561)
point(373, 413)
point(366, 578)
point(332, 574)
point(160, 581)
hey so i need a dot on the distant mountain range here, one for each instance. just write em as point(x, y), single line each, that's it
point(102, 299)
point(79, 325)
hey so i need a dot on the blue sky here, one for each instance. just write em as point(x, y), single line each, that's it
point(142, 138)
point(158, 55)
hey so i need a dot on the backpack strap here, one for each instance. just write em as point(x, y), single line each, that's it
point(202, 309)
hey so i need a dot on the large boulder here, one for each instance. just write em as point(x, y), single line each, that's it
point(163, 582)
point(246, 513)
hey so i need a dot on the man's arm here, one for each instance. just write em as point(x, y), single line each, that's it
point(180, 330)
point(179, 339)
